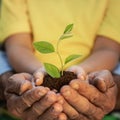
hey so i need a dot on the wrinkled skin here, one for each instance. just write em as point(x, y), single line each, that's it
point(92, 99)
point(28, 102)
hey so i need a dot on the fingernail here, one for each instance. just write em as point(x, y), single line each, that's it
point(38, 82)
point(75, 86)
point(25, 86)
point(82, 77)
point(67, 93)
point(57, 109)
point(42, 92)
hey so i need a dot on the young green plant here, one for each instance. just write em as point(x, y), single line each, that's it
point(46, 47)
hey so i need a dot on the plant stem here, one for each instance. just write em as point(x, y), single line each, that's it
point(57, 51)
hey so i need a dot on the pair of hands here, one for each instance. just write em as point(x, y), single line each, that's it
point(85, 100)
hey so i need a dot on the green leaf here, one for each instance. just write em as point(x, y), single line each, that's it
point(71, 57)
point(52, 70)
point(44, 47)
point(64, 36)
point(68, 28)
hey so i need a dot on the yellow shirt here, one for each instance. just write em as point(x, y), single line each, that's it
point(46, 19)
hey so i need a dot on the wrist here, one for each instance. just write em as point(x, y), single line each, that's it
point(87, 68)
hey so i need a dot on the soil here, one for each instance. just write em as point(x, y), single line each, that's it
point(57, 83)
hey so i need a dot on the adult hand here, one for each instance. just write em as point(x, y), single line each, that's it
point(90, 101)
point(29, 102)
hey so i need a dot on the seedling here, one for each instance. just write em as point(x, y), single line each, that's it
point(46, 47)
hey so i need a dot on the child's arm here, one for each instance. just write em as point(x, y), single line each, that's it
point(21, 54)
point(105, 55)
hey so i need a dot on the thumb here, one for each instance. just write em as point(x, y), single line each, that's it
point(38, 76)
point(18, 84)
point(102, 80)
point(79, 71)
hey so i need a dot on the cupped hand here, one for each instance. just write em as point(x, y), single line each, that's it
point(31, 102)
point(90, 101)
point(79, 71)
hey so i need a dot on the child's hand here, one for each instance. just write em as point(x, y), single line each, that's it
point(79, 71)
point(39, 75)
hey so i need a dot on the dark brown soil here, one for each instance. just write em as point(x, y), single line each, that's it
point(57, 83)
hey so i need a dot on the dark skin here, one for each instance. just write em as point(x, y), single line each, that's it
point(94, 100)
point(97, 102)
point(31, 102)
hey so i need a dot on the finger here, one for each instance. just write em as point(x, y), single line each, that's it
point(18, 84)
point(38, 75)
point(69, 110)
point(100, 84)
point(39, 107)
point(60, 98)
point(78, 71)
point(34, 95)
point(18, 104)
point(88, 91)
point(102, 100)
point(27, 85)
point(72, 113)
point(103, 80)
point(52, 113)
point(62, 116)
point(80, 103)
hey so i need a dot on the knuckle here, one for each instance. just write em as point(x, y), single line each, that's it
point(51, 98)
point(94, 99)
point(37, 110)
point(75, 117)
